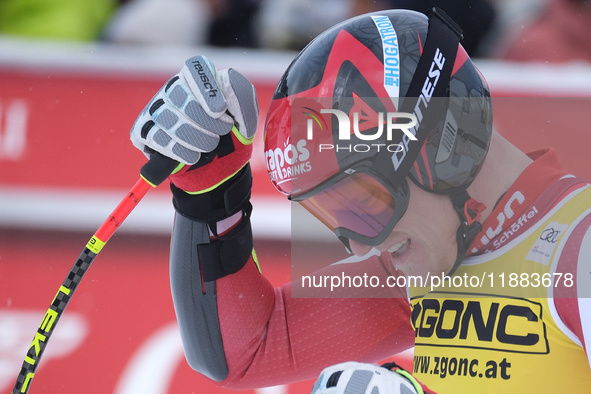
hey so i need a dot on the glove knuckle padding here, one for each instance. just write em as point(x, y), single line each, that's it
point(198, 115)
point(243, 104)
point(193, 110)
point(361, 378)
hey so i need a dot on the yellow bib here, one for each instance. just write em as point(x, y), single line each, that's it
point(493, 330)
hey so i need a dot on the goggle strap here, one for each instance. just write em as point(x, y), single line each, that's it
point(443, 39)
point(469, 227)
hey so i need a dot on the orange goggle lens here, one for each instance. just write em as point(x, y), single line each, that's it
point(359, 207)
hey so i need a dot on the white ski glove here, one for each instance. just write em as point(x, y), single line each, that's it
point(198, 105)
point(360, 378)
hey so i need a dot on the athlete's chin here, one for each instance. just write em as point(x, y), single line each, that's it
point(412, 270)
point(410, 260)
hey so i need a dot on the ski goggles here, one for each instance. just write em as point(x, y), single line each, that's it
point(360, 206)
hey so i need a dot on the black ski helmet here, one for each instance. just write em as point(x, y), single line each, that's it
point(351, 59)
point(375, 63)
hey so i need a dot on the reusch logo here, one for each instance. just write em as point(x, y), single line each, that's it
point(205, 79)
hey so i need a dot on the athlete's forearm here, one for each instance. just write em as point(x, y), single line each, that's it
point(271, 337)
point(195, 300)
point(240, 331)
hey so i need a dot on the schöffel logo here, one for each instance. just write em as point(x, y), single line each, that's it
point(385, 123)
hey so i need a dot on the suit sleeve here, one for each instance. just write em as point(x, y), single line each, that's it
point(239, 330)
point(573, 303)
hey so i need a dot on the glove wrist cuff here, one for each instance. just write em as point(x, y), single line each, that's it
point(222, 202)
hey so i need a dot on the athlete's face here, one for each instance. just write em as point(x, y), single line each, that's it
point(424, 240)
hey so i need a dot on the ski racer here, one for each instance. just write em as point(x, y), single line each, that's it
point(438, 194)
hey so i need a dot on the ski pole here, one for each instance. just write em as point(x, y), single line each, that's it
point(153, 173)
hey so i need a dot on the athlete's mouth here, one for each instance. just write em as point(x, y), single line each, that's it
point(400, 248)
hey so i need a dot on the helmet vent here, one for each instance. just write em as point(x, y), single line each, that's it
point(448, 138)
